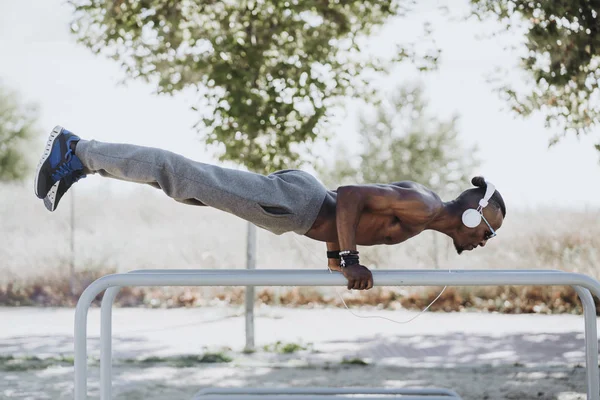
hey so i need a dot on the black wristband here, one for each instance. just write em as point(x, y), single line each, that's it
point(349, 258)
point(333, 254)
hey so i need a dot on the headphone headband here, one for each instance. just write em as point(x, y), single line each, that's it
point(472, 217)
point(489, 192)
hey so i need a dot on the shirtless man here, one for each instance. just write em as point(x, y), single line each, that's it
point(285, 201)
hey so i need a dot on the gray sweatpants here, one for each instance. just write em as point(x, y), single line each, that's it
point(285, 201)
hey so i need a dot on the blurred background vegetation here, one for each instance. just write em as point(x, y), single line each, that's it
point(269, 77)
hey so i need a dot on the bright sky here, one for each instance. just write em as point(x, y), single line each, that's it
point(81, 91)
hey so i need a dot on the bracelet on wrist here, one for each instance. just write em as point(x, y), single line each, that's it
point(333, 254)
point(349, 257)
point(346, 262)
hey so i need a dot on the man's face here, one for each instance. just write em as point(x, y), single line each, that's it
point(470, 238)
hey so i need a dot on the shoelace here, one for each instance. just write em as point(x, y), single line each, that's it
point(62, 171)
point(66, 169)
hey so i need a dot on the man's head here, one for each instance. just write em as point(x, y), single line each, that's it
point(492, 216)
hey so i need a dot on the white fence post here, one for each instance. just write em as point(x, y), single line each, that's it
point(250, 264)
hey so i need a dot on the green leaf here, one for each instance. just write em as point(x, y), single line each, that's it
point(16, 131)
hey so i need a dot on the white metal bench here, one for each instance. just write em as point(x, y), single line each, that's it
point(582, 284)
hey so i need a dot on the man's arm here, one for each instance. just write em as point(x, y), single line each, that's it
point(333, 263)
point(353, 201)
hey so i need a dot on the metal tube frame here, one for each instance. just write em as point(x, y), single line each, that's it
point(320, 397)
point(330, 393)
point(325, 391)
point(582, 284)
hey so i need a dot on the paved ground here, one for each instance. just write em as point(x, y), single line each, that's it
point(478, 355)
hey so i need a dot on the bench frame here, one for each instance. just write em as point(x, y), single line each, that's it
point(112, 283)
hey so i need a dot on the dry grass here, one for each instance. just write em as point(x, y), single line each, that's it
point(144, 229)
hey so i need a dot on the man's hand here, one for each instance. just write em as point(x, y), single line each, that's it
point(359, 277)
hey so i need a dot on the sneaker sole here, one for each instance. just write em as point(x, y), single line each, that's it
point(50, 197)
point(53, 135)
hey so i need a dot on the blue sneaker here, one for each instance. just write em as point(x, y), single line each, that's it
point(59, 189)
point(58, 164)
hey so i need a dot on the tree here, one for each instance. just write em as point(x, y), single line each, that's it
point(406, 142)
point(562, 60)
point(269, 70)
point(16, 129)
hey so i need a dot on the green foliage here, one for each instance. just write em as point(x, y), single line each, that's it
point(16, 129)
point(184, 361)
point(562, 60)
point(406, 142)
point(214, 358)
point(267, 70)
point(354, 361)
point(11, 363)
point(291, 348)
point(285, 348)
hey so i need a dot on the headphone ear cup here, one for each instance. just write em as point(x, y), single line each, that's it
point(471, 218)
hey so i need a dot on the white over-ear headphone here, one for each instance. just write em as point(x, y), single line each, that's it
point(472, 217)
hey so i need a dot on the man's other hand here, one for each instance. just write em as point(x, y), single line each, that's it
point(359, 277)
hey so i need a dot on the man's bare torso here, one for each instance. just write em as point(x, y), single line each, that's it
point(377, 227)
